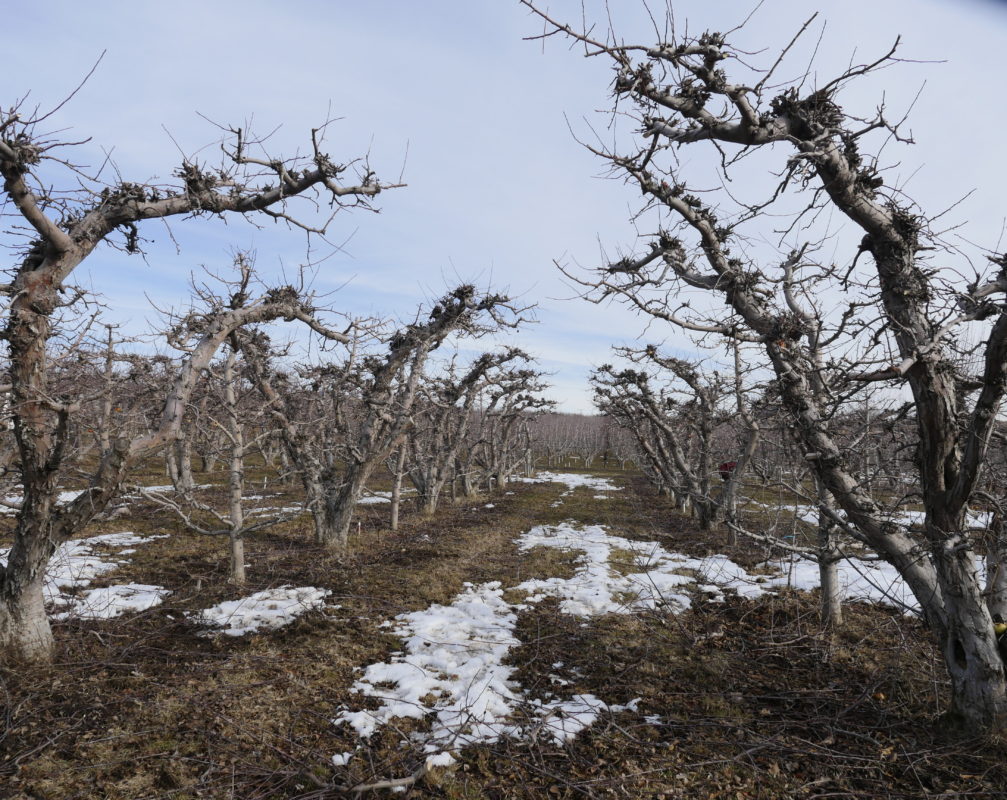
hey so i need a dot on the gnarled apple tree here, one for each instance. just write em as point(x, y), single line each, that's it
point(61, 225)
point(886, 312)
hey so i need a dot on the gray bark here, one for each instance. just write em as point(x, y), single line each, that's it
point(396, 498)
point(828, 562)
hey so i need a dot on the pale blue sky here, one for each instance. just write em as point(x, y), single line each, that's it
point(497, 186)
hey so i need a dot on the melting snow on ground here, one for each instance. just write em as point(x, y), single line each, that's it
point(111, 601)
point(453, 653)
point(573, 481)
point(451, 668)
point(12, 501)
point(78, 562)
point(266, 610)
point(381, 497)
point(258, 512)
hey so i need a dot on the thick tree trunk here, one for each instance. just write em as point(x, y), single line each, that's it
point(184, 459)
point(971, 653)
point(469, 489)
point(338, 508)
point(706, 514)
point(178, 461)
point(428, 485)
point(24, 627)
point(171, 465)
point(431, 498)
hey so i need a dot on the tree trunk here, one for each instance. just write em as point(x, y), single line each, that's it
point(828, 563)
point(237, 559)
point(184, 460)
point(236, 476)
point(171, 465)
point(970, 649)
point(996, 569)
point(400, 464)
point(832, 594)
point(468, 485)
point(430, 499)
point(706, 513)
point(316, 504)
point(428, 486)
point(338, 507)
point(24, 627)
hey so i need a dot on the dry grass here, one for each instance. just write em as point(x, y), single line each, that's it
point(748, 699)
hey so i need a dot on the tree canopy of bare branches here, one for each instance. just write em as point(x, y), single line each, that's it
point(63, 214)
point(885, 313)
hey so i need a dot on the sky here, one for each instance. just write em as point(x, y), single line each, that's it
point(450, 98)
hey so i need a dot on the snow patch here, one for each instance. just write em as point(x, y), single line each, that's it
point(64, 498)
point(451, 669)
point(573, 481)
point(564, 719)
point(111, 601)
point(444, 759)
point(452, 653)
point(382, 496)
point(266, 610)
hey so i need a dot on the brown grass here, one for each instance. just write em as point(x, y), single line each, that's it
point(749, 699)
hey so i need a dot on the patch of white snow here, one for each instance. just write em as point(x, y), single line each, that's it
point(266, 610)
point(111, 601)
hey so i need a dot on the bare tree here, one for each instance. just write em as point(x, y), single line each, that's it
point(678, 413)
point(444, 419)
point(235, 417)
point(370, 407)
point(503, 444)
point(60, 229)
point(899, 326)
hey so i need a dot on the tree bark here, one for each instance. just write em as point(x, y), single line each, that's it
point(24, 627)
point(400, 464)
point(236, 475)
point(828, 563)
point(996, 568)
point(339, 507)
